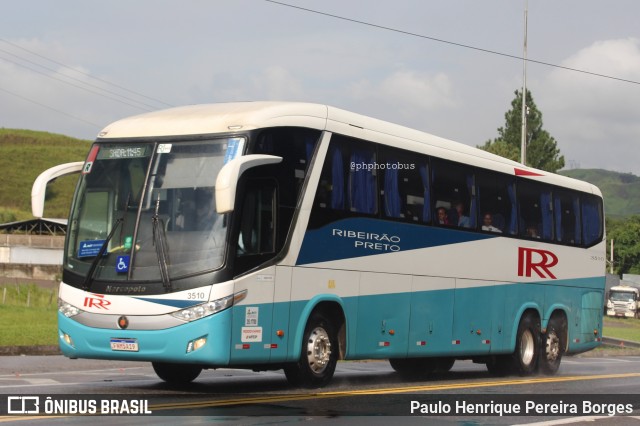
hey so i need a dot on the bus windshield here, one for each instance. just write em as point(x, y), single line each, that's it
point(150, 209)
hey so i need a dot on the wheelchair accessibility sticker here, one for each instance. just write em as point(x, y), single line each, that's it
point(122, 263)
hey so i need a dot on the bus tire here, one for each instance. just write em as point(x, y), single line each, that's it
point(319, 354)
point(553, 344)
point(176, 374)
point(526, 354)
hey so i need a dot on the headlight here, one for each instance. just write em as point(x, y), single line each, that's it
point(67, 309)
point(209, 308)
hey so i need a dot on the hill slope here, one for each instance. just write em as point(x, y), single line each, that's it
point(621, 190)
point(24, 154)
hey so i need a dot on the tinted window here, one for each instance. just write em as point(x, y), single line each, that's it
point(405, 186)
point(497, 202)
point(566, 208)
point(535, 209)
point(453, 188)
point(348, 181)
point(592, 222)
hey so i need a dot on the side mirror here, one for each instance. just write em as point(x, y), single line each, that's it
point(40, 184)
point(227, 180)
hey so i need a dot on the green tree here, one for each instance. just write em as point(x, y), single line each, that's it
point(625, 234)
point(542, 149)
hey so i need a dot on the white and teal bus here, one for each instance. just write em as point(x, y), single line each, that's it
point(269, 235)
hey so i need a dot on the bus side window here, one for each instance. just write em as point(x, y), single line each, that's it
point(348, 182)
point(331, 188)
point(257, 224)
point(362, 181)
point(296, 147)
point(535, 209)
point(453, 186)
point(591, 219)
point(567, 217)
point(404, 185)
point(497, 197)
point(392, 202)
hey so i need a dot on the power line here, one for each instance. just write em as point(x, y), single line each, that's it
point(85, 74)
point(72, 78)
point(452, 43)
point(78, 86)
point(49, 107)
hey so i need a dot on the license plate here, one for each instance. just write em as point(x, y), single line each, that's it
point(128, 345)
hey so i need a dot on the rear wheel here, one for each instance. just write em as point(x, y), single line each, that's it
point(176, 374)
point(553, 344)
point(524, 360)
point(319, 354)
point(525, 357)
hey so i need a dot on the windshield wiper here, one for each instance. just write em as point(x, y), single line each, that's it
point(92, 269)
point(161, 247)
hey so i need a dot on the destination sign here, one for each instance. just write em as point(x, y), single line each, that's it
point(111, 152)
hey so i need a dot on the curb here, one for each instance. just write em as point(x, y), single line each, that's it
point(30, 350)
point(621, 343)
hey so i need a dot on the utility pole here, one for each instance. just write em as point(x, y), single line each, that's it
point(523, 139)
point(611, 262)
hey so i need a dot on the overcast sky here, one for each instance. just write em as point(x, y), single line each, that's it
point(73, 66)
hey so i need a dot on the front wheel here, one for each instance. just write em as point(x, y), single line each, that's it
point(176, 374)
point(319, 354)
point(553, 344)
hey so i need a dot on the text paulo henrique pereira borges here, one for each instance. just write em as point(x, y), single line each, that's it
point(527, 408)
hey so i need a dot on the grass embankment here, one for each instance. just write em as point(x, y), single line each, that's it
point(28, 315)
point(622, 328)
point(24, 154)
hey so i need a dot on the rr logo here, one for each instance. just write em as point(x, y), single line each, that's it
point(98, 302)
point(538, 261)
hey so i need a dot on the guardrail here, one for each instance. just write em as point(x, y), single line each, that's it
point(610, 341)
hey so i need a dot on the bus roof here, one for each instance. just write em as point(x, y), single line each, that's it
point(244, 116)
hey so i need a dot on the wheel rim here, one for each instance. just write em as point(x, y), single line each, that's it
point(527, 347)
point(318, 350)
point(553, 346)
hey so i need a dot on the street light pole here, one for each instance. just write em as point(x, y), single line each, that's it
point(523, 139)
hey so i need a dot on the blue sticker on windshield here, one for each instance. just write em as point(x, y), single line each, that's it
point(90, 248)
point(234, 148)
point(122, 263)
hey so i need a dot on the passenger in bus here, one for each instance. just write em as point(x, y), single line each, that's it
point(532, 231)
point(487, 223)
point(186, 215)
point(205, 210)
point(442, 218)
point(463, 220)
